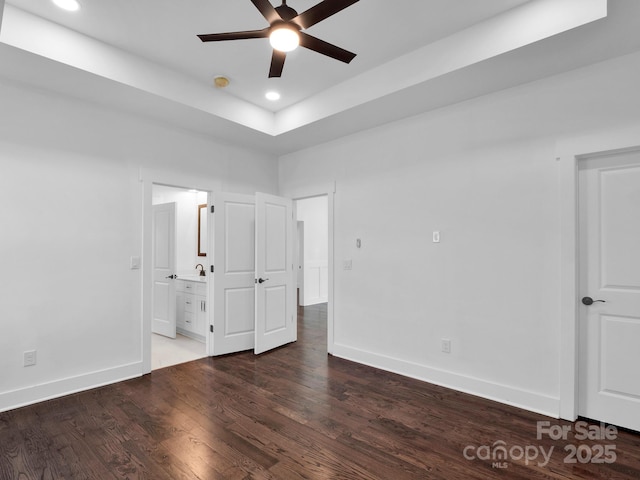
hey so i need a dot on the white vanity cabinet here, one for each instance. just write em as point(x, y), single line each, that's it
point(191, 308)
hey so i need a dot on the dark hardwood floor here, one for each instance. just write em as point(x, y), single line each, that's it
point(293, 413)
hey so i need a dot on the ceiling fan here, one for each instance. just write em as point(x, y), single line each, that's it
point(285, 31)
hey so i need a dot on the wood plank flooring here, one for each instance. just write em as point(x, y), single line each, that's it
point(294, 413)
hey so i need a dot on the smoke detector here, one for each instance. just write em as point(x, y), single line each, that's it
point(221, 82)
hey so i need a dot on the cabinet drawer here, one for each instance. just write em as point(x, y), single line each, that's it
point(190, 304)
point(189, 286)
point(189, 321)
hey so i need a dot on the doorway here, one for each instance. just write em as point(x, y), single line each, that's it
point(314, 245)
point(183, 338)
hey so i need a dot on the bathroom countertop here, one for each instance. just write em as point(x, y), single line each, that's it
point(192, 278)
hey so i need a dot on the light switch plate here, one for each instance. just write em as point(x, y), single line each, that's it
point(436, 237)
point(135, 263)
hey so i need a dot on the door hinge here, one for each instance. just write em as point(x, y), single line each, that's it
point(212, 269)
point(211, 328)
point(212, 209)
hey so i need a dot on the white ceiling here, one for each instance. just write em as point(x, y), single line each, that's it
point(143, 56)
point(164, 31)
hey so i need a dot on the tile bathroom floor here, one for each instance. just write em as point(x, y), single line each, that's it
point(168, 351)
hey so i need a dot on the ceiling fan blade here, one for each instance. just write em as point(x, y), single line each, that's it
point(321, 11)
point(216, 37)
point(277, 63)
point(325, 48)
point(267, 10)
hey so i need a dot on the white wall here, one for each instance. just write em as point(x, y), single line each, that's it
point(186, 225)
point(71, 214)
point(484, 173)
point(313, 212)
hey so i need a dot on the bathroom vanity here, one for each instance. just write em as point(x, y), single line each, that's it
point(191, 307)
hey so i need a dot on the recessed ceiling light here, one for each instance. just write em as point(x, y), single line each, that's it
point(273, 96)
point(70, 5)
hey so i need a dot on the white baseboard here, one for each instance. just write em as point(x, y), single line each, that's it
point(516, 397)
point(191, 335)
point(66, 386)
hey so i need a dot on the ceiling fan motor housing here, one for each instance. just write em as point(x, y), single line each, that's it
point(289, 25)
point(286, 12)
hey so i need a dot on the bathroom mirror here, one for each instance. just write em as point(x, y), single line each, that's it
point(202, 230)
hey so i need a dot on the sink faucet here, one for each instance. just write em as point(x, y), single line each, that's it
point(201, 269)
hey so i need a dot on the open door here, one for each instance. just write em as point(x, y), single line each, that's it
point(164, 264)
point(275, 322)
point(234, 275)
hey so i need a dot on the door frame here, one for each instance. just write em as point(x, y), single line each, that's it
point(569, 155)
point(299, 259)
point(301, 193)
point(148, 178)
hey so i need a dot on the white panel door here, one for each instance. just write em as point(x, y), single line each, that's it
point(164, 265)
point(234, 275)
point(610, 277)
point(275, 276)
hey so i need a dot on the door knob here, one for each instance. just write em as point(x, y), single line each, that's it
point(590, 301)
point(262, 280)
point(172, 276)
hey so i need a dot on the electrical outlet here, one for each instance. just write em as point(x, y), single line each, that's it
point(446, 345)
point(29, 358)
point(347, 265)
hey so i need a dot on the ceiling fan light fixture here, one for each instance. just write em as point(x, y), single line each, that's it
point(284, 38)
point(69, 5)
